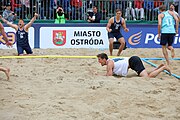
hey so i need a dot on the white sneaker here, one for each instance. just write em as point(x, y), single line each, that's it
point(134, 19)
point(125, 18)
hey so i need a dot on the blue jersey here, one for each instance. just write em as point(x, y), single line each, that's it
point(22, 37)
point(168, 23)
point(116, 26)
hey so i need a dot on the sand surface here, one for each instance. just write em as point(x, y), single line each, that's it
point(69, 89)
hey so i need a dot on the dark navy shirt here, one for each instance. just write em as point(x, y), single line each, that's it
point(22, 37)
point(116, 26)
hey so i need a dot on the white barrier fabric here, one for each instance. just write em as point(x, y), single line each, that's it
point(11, 33)
point(73, 37)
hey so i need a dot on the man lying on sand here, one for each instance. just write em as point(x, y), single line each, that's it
point(120, 67)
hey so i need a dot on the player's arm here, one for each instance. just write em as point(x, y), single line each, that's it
point(124, 25)
point(27, 26)
point(160, 16)
point(9, 24)
point(5, 36)
point(177, 22)
point(3, 33)
point(109, 24)
point(110, 68)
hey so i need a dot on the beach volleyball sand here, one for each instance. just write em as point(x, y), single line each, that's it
point(69, 89)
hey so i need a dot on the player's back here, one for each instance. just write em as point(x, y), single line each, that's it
point(168, 23)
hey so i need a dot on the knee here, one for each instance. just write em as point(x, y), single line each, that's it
point(169, 48)
point(151, 76)
point(122, 43)
point(111, 42)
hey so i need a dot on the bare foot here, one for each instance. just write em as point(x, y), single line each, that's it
point(172, 53)
point(160, 66)
point(7, 72)
point(118, 54)
point(110, 54)
point(168, 69)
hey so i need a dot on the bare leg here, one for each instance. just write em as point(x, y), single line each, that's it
point(6, 71)
point(157, 68)
point(157, 71)
point(143, 74)
point(172, 51)
point(165, 53)
point(121, 47)
point(111, 41)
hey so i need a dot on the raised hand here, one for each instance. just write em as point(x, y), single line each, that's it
point(9, 44)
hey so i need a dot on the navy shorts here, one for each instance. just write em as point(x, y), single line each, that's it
point(21, 49)
point(167, 38)
point(116, 35)
point(136, 64)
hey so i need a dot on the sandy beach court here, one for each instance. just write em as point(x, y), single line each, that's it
point(70, 89)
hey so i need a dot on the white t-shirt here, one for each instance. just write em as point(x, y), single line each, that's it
point(121, 67)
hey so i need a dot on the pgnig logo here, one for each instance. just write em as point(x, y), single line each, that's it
point(11, 38)
point(135, 38)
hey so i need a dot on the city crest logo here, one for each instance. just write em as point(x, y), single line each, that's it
point(59, 37)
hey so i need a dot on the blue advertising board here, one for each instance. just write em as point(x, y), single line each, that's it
point(145, 36)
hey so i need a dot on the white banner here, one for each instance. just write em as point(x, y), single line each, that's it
point(11, 33)
point(77, 37)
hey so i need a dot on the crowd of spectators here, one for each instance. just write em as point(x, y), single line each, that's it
point(83, 9)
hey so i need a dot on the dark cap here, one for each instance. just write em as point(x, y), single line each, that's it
point(8, 4)
point(59, 6)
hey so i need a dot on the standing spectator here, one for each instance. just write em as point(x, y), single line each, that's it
point(8, 14)
point(2, 6)
point(17, 7)
point(148, 6)
point(66, 5)
point(76, 9)
point(157, 3)
point(130, 10)
point(41, 8)
point(95, 17)
point(25, 9)
point(139, 8)
point(60, 15)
